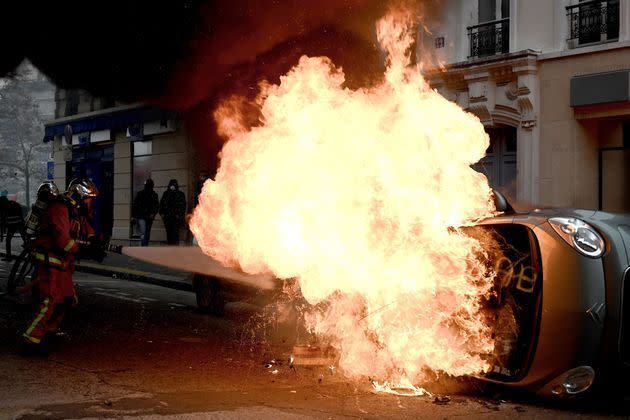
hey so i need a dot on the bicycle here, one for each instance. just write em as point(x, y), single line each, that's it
point(22, 272)
point(22, 275)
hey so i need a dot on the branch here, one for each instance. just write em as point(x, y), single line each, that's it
point(12, 165)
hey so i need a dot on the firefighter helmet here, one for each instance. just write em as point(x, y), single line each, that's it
point(81, 188)
point(47, 191)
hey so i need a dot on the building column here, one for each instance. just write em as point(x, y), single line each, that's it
point(481, 95)
point(527, 146)
point(561, 22)
point(122, 188)
point(514, 44)
point(60, 164)
point(528, 132)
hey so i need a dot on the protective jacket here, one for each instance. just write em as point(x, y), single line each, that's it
point(13, 216)
point(56, 242)
point(173, 205)
point(146, 204)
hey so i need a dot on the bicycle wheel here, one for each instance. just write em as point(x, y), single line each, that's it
point(21, 272)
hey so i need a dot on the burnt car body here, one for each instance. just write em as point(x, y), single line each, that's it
point(561, 325)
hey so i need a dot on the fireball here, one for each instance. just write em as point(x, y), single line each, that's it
point(359, 195)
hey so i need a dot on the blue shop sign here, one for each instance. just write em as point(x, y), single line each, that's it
point(84, 139)
point(50, 170)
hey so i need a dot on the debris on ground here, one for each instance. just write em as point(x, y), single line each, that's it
point(441, 399)
point(490, 404)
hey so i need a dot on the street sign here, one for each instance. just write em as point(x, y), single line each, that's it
point(84, 139)
point(50, 170)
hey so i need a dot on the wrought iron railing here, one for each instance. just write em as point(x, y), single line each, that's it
point(489, 38)
point(593, 21)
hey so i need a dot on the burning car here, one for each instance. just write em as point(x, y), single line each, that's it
point(558, 302)
point(560, 319)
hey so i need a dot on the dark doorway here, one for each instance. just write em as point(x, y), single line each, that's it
point(97, 163)
point(614, 174)
point(499, 163)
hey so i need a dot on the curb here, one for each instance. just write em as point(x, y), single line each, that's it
point(131, 275)
point(134, 275)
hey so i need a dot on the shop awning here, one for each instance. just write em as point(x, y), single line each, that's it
point(600, 88)
point(115, 119)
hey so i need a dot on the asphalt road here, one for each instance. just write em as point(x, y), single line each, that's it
point(138, 350)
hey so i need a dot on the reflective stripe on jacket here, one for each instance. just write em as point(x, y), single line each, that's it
point(50, 260)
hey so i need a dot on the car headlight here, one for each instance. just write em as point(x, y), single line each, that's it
point(572, 382)
point(580, 235)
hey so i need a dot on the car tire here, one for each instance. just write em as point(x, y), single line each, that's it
point(207, 293)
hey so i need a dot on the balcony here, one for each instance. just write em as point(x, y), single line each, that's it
point(593, 22)
point(489, 38)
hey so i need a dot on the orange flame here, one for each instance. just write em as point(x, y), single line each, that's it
point(359, 195)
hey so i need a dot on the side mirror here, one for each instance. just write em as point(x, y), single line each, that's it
point(501, 203)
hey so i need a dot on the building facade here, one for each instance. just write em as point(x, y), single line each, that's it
point(550, 81)
point(119, 146)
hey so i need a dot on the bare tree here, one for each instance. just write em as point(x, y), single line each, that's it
point(22, 151)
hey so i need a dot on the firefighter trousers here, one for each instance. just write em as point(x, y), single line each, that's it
point(53, 306)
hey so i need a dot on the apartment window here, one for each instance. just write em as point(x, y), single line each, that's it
point(492, 35)
point(487, 10)
point(593, 21)
point(142, 151)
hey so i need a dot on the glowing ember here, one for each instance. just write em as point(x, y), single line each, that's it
point(358, 194)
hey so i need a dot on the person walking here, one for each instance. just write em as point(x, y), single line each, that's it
point(14, 223)
point(173, 211)
point(145, 207)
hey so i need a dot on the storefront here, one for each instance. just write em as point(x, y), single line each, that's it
point(585, 129)
point(119, 149)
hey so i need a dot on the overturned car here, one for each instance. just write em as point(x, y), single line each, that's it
point(562, 310)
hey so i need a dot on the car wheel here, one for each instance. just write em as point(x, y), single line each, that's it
point(207, 294)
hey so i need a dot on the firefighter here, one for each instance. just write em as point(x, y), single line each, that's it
point(61, 230)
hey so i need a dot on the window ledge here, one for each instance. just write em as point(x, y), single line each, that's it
point(587, 49)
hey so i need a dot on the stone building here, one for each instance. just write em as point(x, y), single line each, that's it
point(550, 81)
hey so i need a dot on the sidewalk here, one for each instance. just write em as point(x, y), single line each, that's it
point(128, 268)
point(124, 267)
